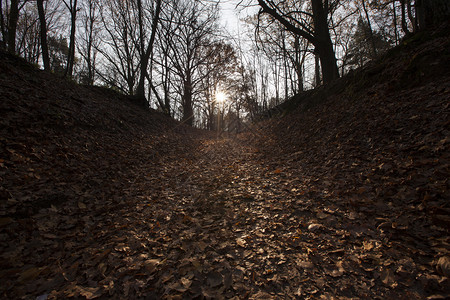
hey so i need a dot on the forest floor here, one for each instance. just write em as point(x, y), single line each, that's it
point(347, 199)
point(221, 221)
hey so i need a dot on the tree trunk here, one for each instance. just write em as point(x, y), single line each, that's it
point(43, 34)
point(71, 56)
point(285, 65)
point(90, 63)
point(395, 23)
point(140, 90)
point(411, 17)
point(372, 39)
point(323, 44)
point(298, 64)
point(404, 25)
point(430, 13)
point(2, 25)
point(12, 26)
point(188, 112)
point(317, 80)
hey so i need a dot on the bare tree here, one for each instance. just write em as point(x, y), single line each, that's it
point(218, 74)
point(146, 51)
point(8, 21)
point(297, 20)
point(89, 39)
point(73, 9)
point(43, 34)
point(194, 23)
point(27, 40)
point(120, 45)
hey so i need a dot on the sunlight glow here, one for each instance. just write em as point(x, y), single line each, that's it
point(221, 97)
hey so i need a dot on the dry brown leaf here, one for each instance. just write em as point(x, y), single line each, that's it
point(89, 292)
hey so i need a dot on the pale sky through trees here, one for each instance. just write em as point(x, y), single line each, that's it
point(230, 15)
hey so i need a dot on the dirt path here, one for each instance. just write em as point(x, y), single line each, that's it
point(217, 220)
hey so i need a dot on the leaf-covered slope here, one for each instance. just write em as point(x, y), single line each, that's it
point(381, 133)
point(378, 140)
point(59, 140)
point(376, 145)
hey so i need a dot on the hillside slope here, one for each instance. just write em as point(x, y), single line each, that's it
point(59, 140)
point(383, 129)
point(376, 144)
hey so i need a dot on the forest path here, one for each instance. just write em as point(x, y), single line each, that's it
point(229, 222)
point(217, 219)
point(234, 222)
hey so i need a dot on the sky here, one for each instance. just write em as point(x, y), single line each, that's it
point(230, 15)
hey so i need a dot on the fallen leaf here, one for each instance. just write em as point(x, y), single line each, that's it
point(89, 292)
point(443, 266)
point(305, 264)
point(314, 227)
point(368, 245)
point(30, 274)
point(387, 277)
point(5, 221)
point(241, 242)
point(214, 279)
point(150, 265)
point(186, 282)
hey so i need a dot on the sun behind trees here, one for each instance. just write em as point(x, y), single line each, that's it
point(173, 55)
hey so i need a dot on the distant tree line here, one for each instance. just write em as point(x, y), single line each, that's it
point(173, 55)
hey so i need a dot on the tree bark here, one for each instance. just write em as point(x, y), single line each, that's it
point(411, 17)
point(372, 39)
point(71, 56)
point(140, 90)
point(395, 23)
point(323, 43)
point(431, 13)
point(403, 15)
point(90, 63)
point(2, 25)
point(188, 112)
point(12, 25)
point(317, 80)
point(43, 34)
point(298, 63)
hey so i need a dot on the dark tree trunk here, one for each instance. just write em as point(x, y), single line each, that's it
point(431, 13)
point(89, 55)
point(71, 56)
point(140, 91)
point(43, 34)
point(317, 80)
point(166, 83)
point(411, 17)
point(2, 25)
point(12, 26)
point(395, 23)
point(372, 39)
point(188, 112)
point(298, 64)
point(323, 43)
point(403, 10)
